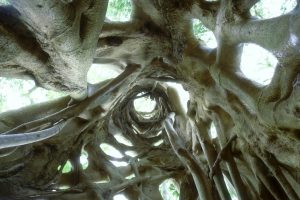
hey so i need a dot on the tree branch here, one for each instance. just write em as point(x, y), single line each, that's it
point(19, 139)
point(201, 182)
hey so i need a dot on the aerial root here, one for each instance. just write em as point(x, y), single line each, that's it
point(222, 155)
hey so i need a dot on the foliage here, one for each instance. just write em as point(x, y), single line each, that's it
point(268, 8)
point(203, 34)
point(119, 10)
point(16, 93)
point(169, 190)
point(4, 2)
point(67, 167)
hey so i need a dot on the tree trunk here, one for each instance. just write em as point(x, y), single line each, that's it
point(54, 42)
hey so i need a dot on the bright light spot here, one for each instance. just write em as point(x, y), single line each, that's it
point(110, 150)
point(98, 73)
point(4, 2)
point(84, 159)
point(119, 164)
point(64, 187)
point(121, 139)
point(230, 188)
point(144, 104)
point(130, 176)
point(294, 40)
point(17, 93)
point(102, 181)
point(131, 153)
point(183, 94)
point(266, 9)
point(169, 189)
point(204, 34)
point(120, 197)
point(258, 64)
point(42, 95)
point(213, 132)
point(159, 142)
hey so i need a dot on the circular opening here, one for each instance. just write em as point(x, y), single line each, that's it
point(144, 104)
point(101, 72)
point(204, 34)
point(16, 93)
point(258, 64)
point(119, 10)
point(169, 189)
point(266, 9)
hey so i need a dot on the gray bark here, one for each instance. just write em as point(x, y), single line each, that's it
point(55, 42)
